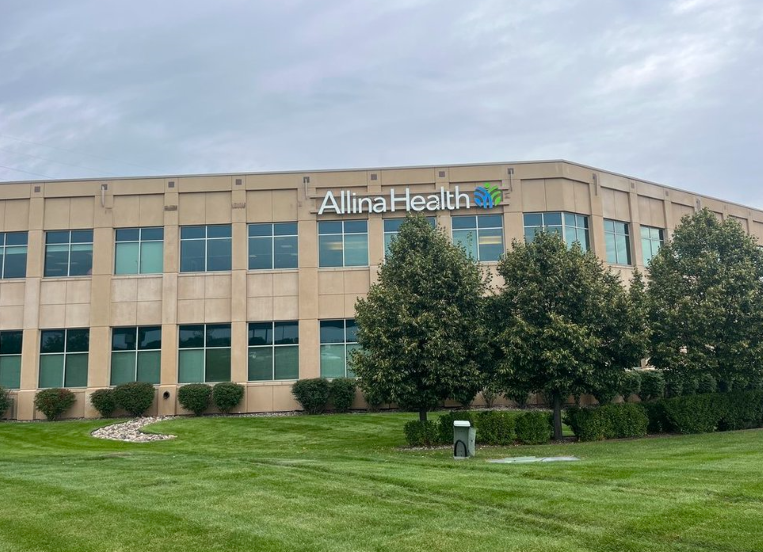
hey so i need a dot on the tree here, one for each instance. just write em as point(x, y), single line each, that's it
point(567, 324)
point(419, 330)
point(705, 302)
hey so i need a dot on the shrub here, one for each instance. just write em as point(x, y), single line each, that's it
point(604, 395)
point(445, 424)
point(706, 383)
point(421, 434)
point(135, 397)
point(54, 402)
point(519, 397)
point(227, 396)
point(534, 428)
point(630, 384)
point(342, 392)
point(694, 413)
point(313, 394)
point(103, 401)
point(586, 423)
point(195, 397)
point(612, 421)
point(5, 400)
point(658, 417)
point(494, 427)
point(652, 385)
point(739, 410)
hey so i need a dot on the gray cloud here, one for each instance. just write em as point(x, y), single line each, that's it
point(667, 91)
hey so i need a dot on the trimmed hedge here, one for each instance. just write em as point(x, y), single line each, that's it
point(658, 417)
point(612, 421)
point(135, 397)
point(494, 427)
point(54, 402)
point(195, 397)
point(342, 393)
point(630, 384)
point(422, 434)
point(534, 427)
point(226, 396)
point(103, 401)
point(740, 410)
point(313, 394)
point(5, 400)
point(693, 413)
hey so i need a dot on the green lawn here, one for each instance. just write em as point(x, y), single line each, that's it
point(340, 483)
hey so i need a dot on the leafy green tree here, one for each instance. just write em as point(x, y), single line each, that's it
point(706, 303)
point(568, 326)
point(420, 332)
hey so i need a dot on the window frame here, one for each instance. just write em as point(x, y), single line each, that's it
point(343, 235)
point(321, 344)
point(66, 354)
point(273, 346)
point(614, 224)
point(477, 229)
point(140, 241)
point(204, 348)
point(206, 239)
point(563, 226)
point(4, 247)
point(4, 335)
point(135, 352)
point(273, 237)
point(660, 241)
point(70, 245)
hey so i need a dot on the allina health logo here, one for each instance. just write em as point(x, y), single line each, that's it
point(487, 196)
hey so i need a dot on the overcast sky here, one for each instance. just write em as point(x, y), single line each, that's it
point(670, 91)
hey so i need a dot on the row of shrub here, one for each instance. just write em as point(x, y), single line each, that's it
point(703, 413)
point(650, 385)
point(316, 395)
point(493, 428)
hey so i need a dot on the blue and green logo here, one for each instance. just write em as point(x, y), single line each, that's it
point(487, 196)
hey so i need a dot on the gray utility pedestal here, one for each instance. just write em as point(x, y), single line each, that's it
point(464, 436)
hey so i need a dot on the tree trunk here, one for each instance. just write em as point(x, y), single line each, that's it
point(557, 416)
point(422, 414)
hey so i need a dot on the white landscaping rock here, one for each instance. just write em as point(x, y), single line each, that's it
point(131, 431)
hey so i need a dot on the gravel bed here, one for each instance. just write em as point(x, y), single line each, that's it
point(131, 431)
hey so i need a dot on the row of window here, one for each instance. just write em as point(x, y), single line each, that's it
point(275, 246)
point(204, 353)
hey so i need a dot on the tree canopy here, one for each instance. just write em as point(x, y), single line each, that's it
point(564, 323)
point(705, 300)
point(420, 332)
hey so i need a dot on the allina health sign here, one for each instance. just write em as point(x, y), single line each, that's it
point(486, 196)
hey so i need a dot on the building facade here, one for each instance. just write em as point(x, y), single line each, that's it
point(253, 278)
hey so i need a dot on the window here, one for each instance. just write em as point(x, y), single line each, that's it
point(273, 351)
point(205, 248)
point(617, 240)
point(139, 251)
point(13, 254)
point(10, 359)
point(573, 228)
point(651, 241)
point(136, 354)
point(273, 246)
point(63, 358)
point(343, 243)
point(204, 353)
point(338, 338)
point(392, 227)
point(68, 253)
point(481, 235)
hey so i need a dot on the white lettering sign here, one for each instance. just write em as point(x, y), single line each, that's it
point(350, 203)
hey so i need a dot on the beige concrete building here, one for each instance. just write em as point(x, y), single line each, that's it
point(253, 278)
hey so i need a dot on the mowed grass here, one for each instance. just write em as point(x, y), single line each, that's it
point(327, 483)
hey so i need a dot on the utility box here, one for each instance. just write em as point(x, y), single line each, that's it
point(464, 437)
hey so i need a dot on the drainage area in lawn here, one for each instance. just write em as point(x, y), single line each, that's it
point(531, 459)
